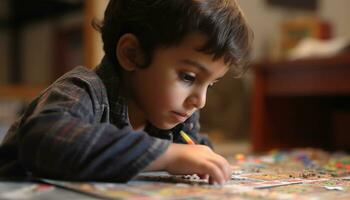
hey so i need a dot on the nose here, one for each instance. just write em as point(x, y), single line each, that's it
point(198, 98)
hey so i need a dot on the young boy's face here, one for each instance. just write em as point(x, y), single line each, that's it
point(174, 85)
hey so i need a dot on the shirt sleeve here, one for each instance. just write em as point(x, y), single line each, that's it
point(59, 138)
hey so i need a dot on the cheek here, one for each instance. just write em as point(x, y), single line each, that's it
point(171, 96)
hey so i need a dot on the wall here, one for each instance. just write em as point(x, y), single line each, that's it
point(95, 9)
point(38, 49)
point(4, 44)
point(337, 11)
point(265, 20)
point(37, 67)
point(4, 9)
point(4, 56)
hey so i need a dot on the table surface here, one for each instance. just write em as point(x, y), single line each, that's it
point(296, 174)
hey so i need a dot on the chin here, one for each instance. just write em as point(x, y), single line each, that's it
point(164, 126)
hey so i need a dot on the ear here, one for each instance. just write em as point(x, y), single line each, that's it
point(129, 52)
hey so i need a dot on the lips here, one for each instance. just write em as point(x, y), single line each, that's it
point(180, 116)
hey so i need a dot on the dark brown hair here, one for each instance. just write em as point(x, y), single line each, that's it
point(162, 23)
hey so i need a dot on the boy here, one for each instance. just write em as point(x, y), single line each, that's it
point(125, 116)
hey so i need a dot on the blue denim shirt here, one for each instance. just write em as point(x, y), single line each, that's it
point(78, 129)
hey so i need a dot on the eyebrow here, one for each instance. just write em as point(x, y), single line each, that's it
point(199, 66)
point(196, 64)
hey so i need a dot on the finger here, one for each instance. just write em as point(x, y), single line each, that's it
point(215, 174)
point(204, 176)
point(228, 169)
point(223, 165)
point(229, 172)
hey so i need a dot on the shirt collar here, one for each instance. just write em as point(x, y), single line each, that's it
point(111, 77)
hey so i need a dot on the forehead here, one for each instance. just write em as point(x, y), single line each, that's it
point(187, 52)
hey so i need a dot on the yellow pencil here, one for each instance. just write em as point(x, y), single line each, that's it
point(186, 137)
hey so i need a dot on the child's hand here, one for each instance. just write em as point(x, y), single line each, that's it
point(193, 159)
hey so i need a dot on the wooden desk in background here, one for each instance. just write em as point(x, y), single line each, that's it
point(301, 103)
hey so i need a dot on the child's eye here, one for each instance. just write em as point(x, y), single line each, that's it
point(187, 77)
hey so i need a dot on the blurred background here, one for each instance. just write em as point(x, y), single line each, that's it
point(296, 93)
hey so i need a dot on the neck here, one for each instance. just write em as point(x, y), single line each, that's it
point(136, 117)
